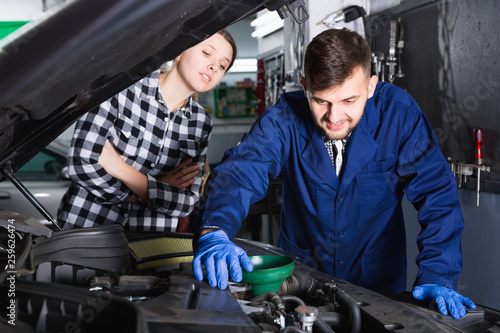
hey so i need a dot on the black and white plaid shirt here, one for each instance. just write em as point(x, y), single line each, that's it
point(148, 137)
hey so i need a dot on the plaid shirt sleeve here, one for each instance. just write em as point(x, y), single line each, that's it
point(91, 134)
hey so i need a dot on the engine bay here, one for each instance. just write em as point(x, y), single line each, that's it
point(104, 280)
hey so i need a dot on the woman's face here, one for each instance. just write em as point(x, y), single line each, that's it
point(203, 65)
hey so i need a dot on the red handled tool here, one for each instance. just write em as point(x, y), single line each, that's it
point(477, 134)
point(478, 141)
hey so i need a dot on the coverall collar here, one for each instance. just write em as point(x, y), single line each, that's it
point(360, 149)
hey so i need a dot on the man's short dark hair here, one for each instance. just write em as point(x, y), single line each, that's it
point(332, 56)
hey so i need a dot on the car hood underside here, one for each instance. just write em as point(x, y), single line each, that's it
point(55, 69)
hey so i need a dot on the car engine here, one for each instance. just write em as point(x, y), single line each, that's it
point(103, 280)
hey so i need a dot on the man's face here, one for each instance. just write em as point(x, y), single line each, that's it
point(337, 111)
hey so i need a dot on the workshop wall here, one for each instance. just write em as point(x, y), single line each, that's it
point(21, 10)
point(450, 66)
point(450, 62)
point(26, 10)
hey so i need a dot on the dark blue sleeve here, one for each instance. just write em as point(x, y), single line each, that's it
point(431, 187)
point(242, 178)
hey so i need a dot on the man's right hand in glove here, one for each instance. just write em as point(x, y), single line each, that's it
point(217, 252)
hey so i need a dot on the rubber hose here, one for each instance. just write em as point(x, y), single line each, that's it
point(322, 326)
point(270, 297)
point(298, 283)
point(298, 300)
point(332, 318)
point(352, 307)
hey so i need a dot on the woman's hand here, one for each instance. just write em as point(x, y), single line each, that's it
point(111, 161)
point(182, 176)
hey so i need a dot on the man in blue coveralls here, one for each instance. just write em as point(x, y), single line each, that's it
point(347, 148)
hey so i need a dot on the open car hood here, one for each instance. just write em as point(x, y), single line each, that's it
point(55, 70)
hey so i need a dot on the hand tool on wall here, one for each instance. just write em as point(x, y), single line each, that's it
point(478, 138)
point(391, 58)
point(396, 46)
point(348, 14)
point(378, 61)
point(477, 135)
point(462, 170)
point(399, 48)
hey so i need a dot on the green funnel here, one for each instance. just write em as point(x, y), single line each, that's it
point(268, 273)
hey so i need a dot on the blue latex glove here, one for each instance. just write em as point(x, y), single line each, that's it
point(216, 252)
point(445, 298)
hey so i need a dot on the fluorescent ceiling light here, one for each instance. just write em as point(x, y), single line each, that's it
point(248, 65)
point(268, 29)
point(266, 24)
point(265, 19)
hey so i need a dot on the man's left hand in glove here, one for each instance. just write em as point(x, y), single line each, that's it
point(447, 300)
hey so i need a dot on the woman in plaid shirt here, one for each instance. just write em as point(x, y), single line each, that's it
point(138, 159)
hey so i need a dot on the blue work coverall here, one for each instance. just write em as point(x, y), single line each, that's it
point(353, 229)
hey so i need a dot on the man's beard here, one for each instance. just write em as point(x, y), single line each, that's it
point(328, 136)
